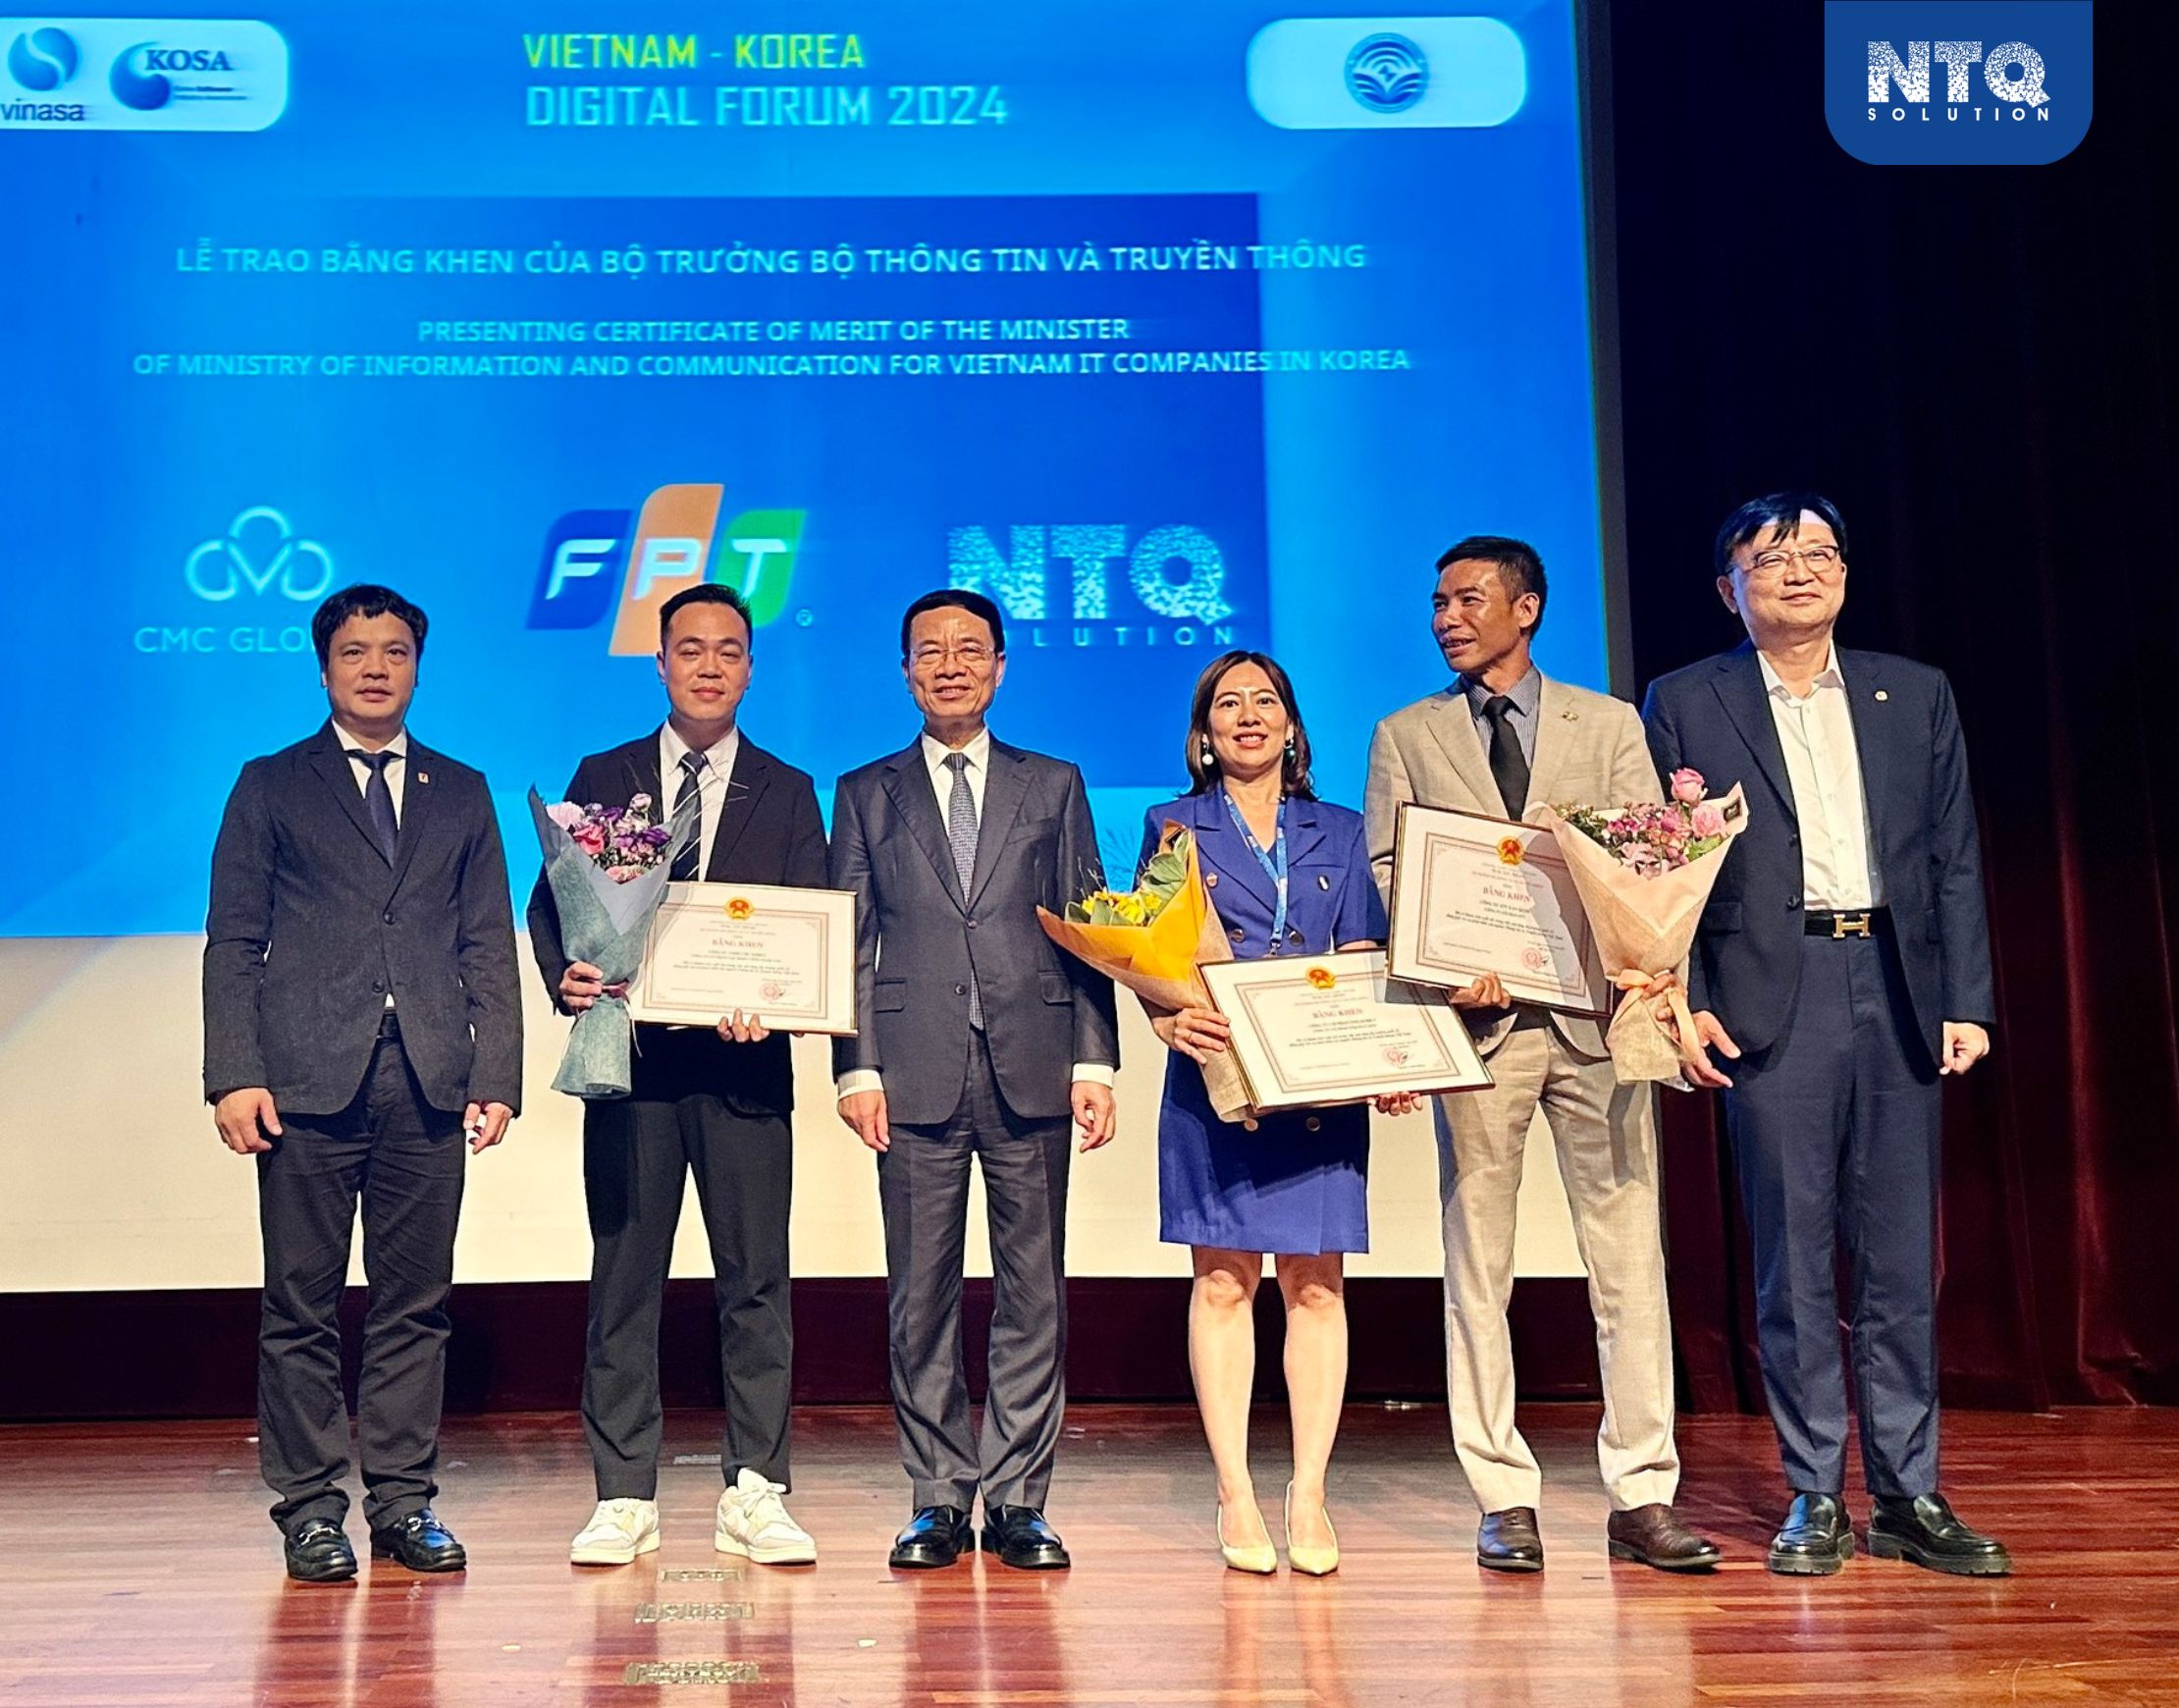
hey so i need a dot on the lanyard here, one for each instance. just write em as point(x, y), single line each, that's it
point(1273, 863)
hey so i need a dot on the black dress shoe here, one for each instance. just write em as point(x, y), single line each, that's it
point(1816, 1539)
point(1020, 1537)
point(419, 1542)
point(1926, 1530)
point(1509, 1541)
point(318, 1552)
point(934, 1536)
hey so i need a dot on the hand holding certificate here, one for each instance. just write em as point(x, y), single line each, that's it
point(1310, 1030)
point(1472, 896)
point(785, 958)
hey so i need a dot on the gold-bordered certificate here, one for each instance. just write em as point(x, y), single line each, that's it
point(1334, 1028)
point(1473, 895)
point(786, 956)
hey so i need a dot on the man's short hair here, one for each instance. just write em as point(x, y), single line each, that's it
point(364, 598)
point(707, 593)
point(1777, 509)
point(968, 600)
point(1519, 568)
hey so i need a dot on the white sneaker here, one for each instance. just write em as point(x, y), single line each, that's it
point(617, 1531)
point(753, 1522)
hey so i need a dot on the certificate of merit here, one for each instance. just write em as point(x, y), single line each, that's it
point(1472, 896)
point(785, 956)
point(1335, 1029)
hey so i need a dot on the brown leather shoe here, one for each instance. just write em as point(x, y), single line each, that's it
point(1653, 1535)
point(1509, 1541)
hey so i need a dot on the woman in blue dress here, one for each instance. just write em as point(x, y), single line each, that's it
point(1290, 876)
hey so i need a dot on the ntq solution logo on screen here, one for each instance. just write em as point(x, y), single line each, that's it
point(142, 74)
point(630, 564)
point(1958, 83)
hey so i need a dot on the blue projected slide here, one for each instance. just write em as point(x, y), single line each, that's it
point(1172, 328)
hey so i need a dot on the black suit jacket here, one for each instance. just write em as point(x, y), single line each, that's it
point(1715, 717)
point(768, 832)
point(918, 937)
point(309, 928)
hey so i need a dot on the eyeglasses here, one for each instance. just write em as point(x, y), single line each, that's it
point(973, 655)
point(1820, 561)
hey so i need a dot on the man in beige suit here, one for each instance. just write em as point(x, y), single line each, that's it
point(1503, 738)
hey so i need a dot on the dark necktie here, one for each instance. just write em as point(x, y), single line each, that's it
point(1509, 764)
point(690, 859)
point(961, 839)
point(377, 799)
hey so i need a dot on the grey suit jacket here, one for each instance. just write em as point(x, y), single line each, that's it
point(309, 928)
point(1589, 748)
point(919, 938)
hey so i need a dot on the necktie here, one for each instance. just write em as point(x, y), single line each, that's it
point(961, 839)
point(690, 859)
point(1509, 764)
point(377, 799)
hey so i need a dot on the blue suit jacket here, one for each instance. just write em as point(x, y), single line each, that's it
point(1331, 895)
point(1716, 716)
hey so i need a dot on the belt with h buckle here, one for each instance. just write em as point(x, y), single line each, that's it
point(1864, 922)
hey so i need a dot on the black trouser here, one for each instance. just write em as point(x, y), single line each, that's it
point(637, 1153)
point(402, 1159)
point(923, 1187)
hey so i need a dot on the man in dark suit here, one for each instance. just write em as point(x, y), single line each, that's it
point(978, 1038)
point(360, 1015)
point(1842, 965)
point(717, 1102)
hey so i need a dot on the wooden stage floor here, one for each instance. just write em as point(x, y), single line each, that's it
point(137, 1567)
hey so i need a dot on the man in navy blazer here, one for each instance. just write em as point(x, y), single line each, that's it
point(1842, 966)
point(360, 1016)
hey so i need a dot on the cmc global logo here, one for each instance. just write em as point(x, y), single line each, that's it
point(162, 73)
point(43, 59)
point(1958, 83)
point(1163, 586)
point(630, 564)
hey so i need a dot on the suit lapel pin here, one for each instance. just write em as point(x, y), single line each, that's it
point(423, 776)
point(1882, 695)
point(1569, 717)
point(1322, 882)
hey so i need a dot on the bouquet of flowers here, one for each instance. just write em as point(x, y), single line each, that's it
point(607, 869)
point(1644, 873)
point(1151, 939)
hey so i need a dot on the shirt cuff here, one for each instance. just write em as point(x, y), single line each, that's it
point(859, 1080)
point(1097, 1073)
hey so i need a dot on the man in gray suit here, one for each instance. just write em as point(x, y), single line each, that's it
point(1503, 738)
point(360, 1017)
point(979, 1041)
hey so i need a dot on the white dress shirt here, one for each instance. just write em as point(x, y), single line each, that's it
point(711, 783)
point(1823, 763)
point(396, 774)
point(934, 752)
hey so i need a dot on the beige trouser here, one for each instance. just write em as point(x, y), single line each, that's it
point(1605, 1135)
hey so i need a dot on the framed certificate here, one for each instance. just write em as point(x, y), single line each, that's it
point(786, 956)
point(1334, 1028)
point(1473, 895)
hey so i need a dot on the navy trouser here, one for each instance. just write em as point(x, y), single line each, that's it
point(1835, 1132)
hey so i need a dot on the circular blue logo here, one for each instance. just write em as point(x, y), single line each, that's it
point(146, 91)
point(1387, 73)
point(43, 59)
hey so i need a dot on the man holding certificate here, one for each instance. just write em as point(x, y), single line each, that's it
point(1502, 739)
point(715, 1099)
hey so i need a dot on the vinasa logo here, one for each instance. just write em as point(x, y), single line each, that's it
point(1957, 82)
point(43, 60)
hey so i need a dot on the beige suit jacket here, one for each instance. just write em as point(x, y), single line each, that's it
point(1590, 749)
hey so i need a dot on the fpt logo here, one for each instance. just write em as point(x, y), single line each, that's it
point(1958, 83)
point(630, 564)
point(43, 59)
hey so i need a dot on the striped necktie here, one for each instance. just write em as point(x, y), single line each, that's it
point(961, 839)
point(689, 861)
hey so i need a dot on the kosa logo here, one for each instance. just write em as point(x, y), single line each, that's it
point(1387, 73)
point(1175, 579)
point(1983, 83)
point(675, 542)
point(42, 60)
point(258, 551)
